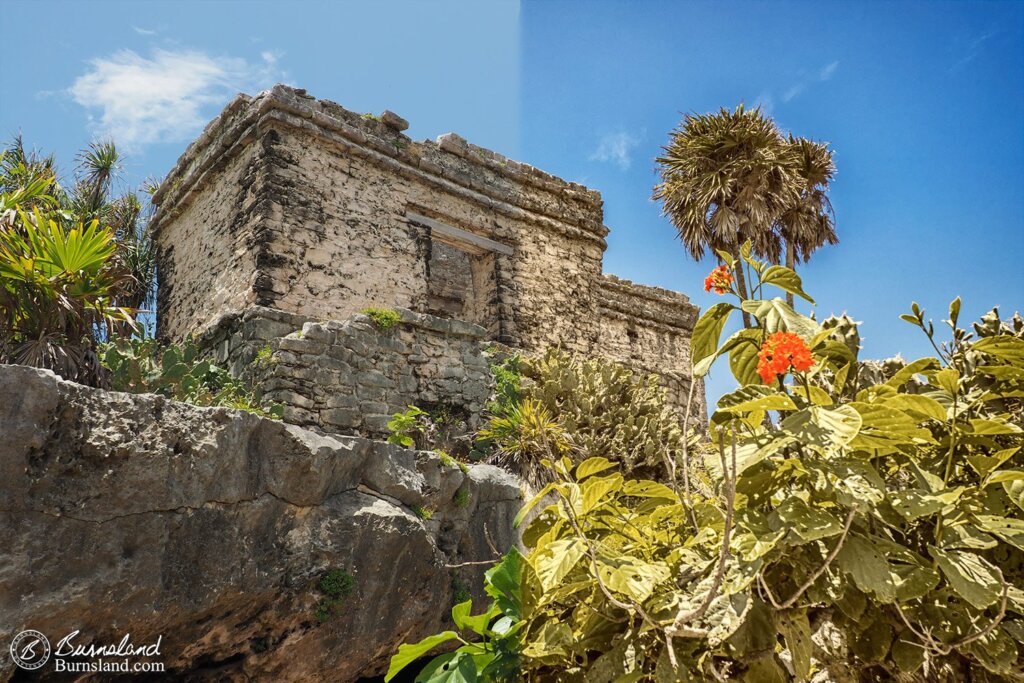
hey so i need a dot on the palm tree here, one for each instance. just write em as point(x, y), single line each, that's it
point(810, 222)
point(726, 177)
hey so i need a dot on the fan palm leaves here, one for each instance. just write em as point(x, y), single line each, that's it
point(75, 266)
point(809, 223)
point(731, 176)
point(58, 287)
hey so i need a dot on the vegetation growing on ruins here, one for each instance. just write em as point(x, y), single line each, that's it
point(383, 318)
point(142, 366)
point(863, 519)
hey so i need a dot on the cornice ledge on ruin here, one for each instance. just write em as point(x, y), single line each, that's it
point(238, 124)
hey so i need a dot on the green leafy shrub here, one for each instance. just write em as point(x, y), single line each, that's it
point(177, 372)
point(335, 585)
point(582, 408)
point(507, 385)
point(383, 318)
point(852, 532)
point(57, 286)
point(494, 657)
point(407, 427)
point(462, 498)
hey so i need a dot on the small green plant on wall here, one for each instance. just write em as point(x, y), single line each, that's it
point(335, 585)
point(406, 427)
point(383, 318)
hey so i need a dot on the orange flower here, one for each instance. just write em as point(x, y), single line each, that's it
point(719, 279)
point(781, 352)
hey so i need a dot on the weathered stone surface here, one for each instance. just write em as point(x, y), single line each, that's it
point(295, 203)
point(212, 527)
point(423, 360)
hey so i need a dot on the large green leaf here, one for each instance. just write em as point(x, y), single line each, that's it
point(785, 279)
point(1003, 346)
point(867, 567)
point(919, 366)
point(455, 667)
point(916, 503)
point(807, 522)
point(408, 654)
point(970, 575)
point(755, 397)
point(776, 315)
point(796, 630)
point(1009, 529)
point(631, 576)
point(743, 356)
point(556, 559)
point(708, 331)
point(829, 428)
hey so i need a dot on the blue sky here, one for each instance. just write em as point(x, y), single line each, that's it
point(922, 102)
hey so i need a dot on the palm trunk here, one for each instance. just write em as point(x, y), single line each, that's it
point(791, 264)
point(741, 285)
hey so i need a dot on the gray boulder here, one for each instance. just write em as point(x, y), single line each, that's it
point(213, 528)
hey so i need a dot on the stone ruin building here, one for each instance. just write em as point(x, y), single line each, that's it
point(213, 528)
point(289, 215)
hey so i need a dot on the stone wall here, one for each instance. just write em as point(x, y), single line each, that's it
point(127, 514)
point(350, 377)
point(648, 329)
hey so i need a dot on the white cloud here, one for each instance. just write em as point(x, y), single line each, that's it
point(164, 98)
point(828, 70)
point(793, 92)
point(826, 73)
point(616, 148)
point(144, 31)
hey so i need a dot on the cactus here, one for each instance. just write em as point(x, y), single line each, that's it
point(602, 409)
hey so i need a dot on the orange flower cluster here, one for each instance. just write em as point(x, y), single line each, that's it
point(782, 351)
point(720, 279)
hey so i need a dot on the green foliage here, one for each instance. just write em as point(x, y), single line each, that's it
point(448, 461)
point(335, 585)
point(583, 408)
point(460, 591)
point(406, 427)
point(462, 498)
point(383, 318)
point(494, 657)
point(57, 289)
point(507, 385)
point(178, 372)
point(264, 358)
point(891, 513)
point(852, 530)
point(76, 266)
point(423, 513)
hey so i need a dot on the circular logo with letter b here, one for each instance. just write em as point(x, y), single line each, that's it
point(30, 650)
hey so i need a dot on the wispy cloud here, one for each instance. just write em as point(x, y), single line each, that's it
point(823, 74)
point(616, 148)
point(144, 31)
point(974, 48)
point(166, 97)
